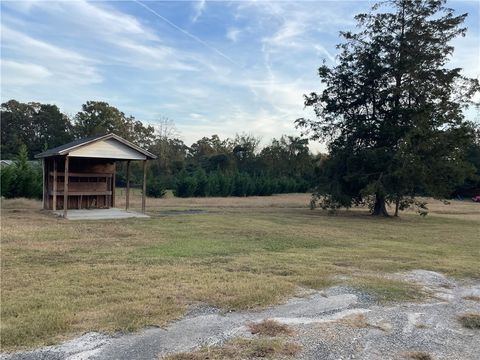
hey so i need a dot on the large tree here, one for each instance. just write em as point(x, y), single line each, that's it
point(98, 117)
point(39, 126)
point(391, 109)
point(288, 156)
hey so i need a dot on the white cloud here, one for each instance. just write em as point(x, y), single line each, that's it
point(467, 54)
point(199, 8)
point(287, 36)
point(19, 73)
point(321, 51)
point(95, 18)
point(76, 51)
point(63, 64)
point(233, 34)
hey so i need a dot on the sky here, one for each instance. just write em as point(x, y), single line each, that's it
point(213, 67)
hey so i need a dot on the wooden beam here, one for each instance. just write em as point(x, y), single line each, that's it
point(127, 198)
point(113, 183)
point(83, 175)
point(54, 205)
point(44, 183)
point(65, 188)
point(144, 192)
point(85, 193)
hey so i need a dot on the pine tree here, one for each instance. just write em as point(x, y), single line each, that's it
point(391, 110)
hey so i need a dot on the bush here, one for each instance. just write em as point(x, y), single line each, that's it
point(264, 186)
point(225, 183)
point(213, 185)
point(302, 186)
point(155, 188)
point(185, 185)
point(21, 179)
point(201, 183)
point(241, 185)
point(219, 184)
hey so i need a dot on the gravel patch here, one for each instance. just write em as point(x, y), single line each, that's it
point(320, 325)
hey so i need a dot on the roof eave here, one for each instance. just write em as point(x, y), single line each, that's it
point(64, 152)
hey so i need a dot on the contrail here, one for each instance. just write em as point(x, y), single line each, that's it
point(186, 32)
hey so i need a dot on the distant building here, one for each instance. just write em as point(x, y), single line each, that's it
point(6, 162)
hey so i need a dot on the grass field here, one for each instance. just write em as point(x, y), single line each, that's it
point(62, 278)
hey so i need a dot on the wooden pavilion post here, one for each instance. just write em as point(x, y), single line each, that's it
point(54, 205)
point(127, 199)
point(44, 183)
point(144, 192)
point(65, 187)
point(113, 183)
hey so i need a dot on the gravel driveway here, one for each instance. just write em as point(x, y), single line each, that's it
point(321, 323)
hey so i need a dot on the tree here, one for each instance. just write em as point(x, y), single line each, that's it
point(185, 185)
point(201, 182)
point(471, 186)
point(21, 179)
point(155, 188)
point(98, 117)
point(41, 126)
point(171, 154)
point(209, 146)
point(391, 110)
point(288, 156)
point(244, 150)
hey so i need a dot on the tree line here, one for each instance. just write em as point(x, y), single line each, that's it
point(391, 112)
point(211, 166)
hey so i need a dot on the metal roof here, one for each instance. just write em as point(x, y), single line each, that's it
point(66, 148)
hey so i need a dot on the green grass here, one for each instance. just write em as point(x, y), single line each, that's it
point(62, 278)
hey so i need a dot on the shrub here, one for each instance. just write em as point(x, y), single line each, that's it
point(225, 183)
point(213, 185)
point(22, 179)
point(264, 186)
point(240, 185)
point(201, 183)
point(185, 185)
point(155, 187)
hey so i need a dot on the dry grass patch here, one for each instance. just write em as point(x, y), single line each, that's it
point(274, 201)
point(470, 320)
point(21, 203)
point(61, 278)
point(359, 321)
point(472, 298)
point(418, 355)
point(242, 349)
point(269, 327)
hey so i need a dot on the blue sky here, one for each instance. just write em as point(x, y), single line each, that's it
point(213, 67)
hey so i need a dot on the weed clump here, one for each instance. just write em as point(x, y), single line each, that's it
point(470, 320)
point(269, 327)
point(242, 349)
point(418, 355)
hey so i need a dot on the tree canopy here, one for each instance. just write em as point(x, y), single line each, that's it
point(211, 166)
point(41, 126)
point(391, 110)
point(98, 117)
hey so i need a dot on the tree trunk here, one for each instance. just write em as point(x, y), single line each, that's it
point(380, 209)
point(397, 205)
